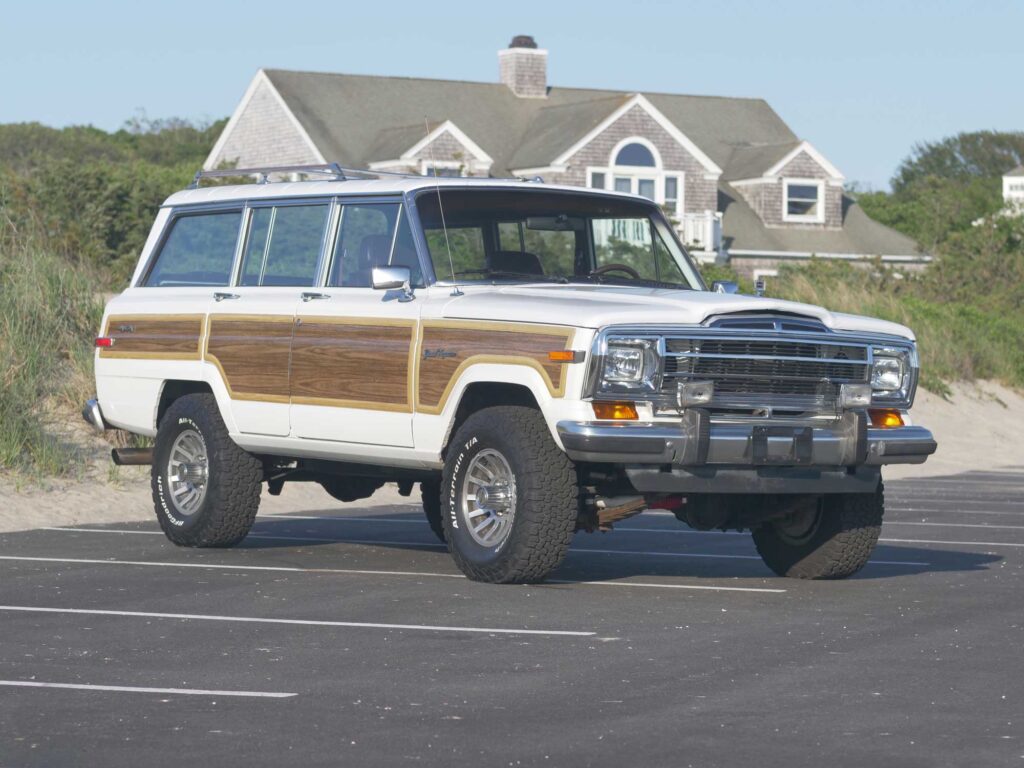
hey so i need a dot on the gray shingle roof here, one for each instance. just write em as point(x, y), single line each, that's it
point(1018, 171)
point(747, 162)
point(744, 231)
point(357, 119)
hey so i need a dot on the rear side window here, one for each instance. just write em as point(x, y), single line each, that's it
point(198, 251)
point(283, 248)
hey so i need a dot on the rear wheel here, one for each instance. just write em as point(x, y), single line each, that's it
point(830, 537)
point(509, 498)
point(206, 490)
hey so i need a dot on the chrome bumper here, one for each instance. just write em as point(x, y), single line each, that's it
point(695, 442)
point(93, 415)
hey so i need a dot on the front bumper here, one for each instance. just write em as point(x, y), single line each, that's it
point(695, 442)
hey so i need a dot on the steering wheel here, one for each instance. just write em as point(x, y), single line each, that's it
point(616, 268)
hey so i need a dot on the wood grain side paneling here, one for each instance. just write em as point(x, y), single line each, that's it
point(154, 337)
point(353, 363)
point(252, 353)
point(447, 348)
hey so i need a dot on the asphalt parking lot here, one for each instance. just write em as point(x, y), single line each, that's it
point(346, 636)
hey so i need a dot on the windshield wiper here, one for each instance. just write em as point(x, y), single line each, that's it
point(505, 274)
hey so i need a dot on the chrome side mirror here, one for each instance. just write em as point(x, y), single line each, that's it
point(725, 286)
point(393, 278)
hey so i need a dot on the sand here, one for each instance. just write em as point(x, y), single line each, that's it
point(978, 427)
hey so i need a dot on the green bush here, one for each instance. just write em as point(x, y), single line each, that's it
point(49, 313)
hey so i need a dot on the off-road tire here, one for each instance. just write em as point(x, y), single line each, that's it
point(848, 528)
point(430, 493)
point(546, 490)
point(233, 486)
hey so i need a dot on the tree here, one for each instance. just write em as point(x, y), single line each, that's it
point(981, 154)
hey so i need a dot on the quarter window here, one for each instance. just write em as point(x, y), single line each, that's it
point(802, 200)
point(283, 247)
point(198, 251)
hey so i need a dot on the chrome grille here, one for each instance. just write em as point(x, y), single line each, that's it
point(751, 373)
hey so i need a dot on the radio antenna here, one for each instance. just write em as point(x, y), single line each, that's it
point(440, 207)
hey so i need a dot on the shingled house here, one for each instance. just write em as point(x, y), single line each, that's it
point(741, 185)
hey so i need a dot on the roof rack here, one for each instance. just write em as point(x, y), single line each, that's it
point(263, 174)
point(330, 169)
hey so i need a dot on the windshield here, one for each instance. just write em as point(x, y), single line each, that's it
point(540, 236)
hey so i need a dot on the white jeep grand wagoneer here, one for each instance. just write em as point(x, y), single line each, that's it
point(539, 359)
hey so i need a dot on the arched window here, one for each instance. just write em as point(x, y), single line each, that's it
point(636, 154)
point(635, 166)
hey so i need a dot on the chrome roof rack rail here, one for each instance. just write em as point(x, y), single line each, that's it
point(334, 170)
point(263, 174)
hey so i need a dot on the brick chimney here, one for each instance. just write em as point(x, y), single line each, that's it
point(524, 68)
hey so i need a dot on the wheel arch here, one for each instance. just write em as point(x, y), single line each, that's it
point(487, 394)
point(173, 389)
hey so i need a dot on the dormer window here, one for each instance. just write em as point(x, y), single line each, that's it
point(803, 200)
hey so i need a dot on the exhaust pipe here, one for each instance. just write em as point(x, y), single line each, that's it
point(132, 457)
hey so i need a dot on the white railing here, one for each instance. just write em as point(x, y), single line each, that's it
point(702, 231)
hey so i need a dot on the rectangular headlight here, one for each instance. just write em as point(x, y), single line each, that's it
point(891, 375)
point(629, 366)
point(624, 363)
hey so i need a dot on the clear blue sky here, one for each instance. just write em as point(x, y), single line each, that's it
point(862, 80)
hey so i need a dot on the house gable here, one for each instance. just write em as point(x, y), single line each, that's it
point(637, 121)
point(263, 131)
point(801, 169)
point(444, 146)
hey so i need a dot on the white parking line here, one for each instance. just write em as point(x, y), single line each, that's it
point(956, 525)
point(297, 622)
point(136, 689)
point(724, 557)
point(368, 572)
point(700, 555)
point(269, 536)
point(965, 543)
point(965, 512)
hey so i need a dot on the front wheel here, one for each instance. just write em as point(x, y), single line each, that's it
point(830, 537)
point(509, 497)
point(206, 489)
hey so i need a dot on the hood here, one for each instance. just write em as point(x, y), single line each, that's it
point(594, 306)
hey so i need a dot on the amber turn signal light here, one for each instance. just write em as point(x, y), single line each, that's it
point(616, 410)
point(564, 356)
point(885, 417)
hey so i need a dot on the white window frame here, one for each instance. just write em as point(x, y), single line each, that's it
point(816, 218)
point(634, 173)
point(426, 163)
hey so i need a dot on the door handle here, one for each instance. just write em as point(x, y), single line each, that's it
point(313, 296)
point(221, 295)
